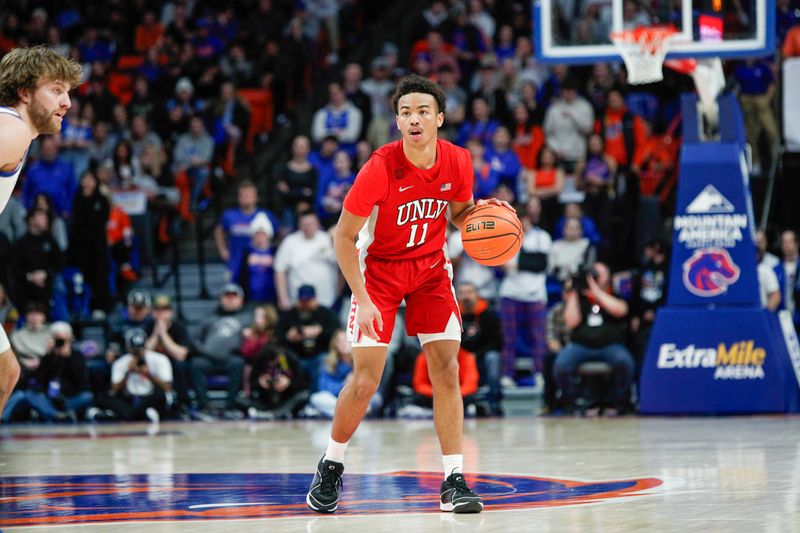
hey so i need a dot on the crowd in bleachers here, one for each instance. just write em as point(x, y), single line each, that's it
point(177, 94)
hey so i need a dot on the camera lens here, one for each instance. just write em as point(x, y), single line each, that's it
point(58, 343)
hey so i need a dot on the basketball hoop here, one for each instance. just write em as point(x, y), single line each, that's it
point(643, 49)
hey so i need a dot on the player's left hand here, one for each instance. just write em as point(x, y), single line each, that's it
point(495, 201)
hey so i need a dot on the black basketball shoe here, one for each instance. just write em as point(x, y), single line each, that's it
point(457, 497)
point(323, 496)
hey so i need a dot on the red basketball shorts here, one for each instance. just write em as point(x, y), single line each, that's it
point(425, 283)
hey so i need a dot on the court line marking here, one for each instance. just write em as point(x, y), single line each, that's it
point(228, 504)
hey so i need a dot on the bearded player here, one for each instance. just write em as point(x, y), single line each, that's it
point(34, 97)
point(398, 208)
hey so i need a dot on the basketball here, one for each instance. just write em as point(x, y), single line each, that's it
point(491, 234)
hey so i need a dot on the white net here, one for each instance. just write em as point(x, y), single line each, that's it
point(644, 51)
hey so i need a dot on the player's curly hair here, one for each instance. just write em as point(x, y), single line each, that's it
point(415, 83)
point(24, 68)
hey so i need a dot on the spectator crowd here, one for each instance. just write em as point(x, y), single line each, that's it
point(179, 95)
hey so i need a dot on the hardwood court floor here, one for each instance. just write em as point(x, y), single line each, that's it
point(646, 474)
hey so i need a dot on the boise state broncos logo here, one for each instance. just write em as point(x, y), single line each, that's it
point(104, 498)
point(709, 272)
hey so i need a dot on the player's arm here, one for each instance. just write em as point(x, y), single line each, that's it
point(460, 210)
point(15, 137)
point(344, 244)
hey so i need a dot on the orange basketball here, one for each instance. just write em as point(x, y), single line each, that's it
point(492, 234)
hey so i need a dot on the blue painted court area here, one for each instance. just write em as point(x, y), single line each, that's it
point(84, 499)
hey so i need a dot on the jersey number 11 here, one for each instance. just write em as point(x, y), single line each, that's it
point(413, 236)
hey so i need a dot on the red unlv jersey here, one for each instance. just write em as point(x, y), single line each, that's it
point(407, 206)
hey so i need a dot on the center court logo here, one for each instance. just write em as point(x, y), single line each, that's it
point(58, 500)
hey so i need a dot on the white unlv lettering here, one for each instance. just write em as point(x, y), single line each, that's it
point(420, 209)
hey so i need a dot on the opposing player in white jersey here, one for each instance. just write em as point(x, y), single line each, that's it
point(34, 97)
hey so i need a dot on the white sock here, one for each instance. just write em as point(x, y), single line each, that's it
point(335, 451)
point(453, 464)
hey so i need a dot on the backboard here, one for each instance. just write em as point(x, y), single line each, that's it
point(577, 31)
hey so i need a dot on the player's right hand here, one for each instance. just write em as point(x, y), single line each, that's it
point(368, 318)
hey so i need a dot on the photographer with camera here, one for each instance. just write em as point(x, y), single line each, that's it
point(596, 319)
point(136, 314)
point(59, 390)
point(140, 380)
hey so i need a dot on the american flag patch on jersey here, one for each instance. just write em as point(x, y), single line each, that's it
point(446, 187)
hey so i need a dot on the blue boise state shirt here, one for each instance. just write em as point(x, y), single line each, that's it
point(261, 275)
point(75, 132)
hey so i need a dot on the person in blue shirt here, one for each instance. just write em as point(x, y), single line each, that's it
point(756, 88)
point(573, 210)
point(92, 48)
point(322, 159)
point(331, 192)
point(486, 179)
point(480, 125)
point(51, 175)
point(76, 137)
point(503, 159)
point(208, 45)
point(506, 47)
point(232, 233)
point(256, 274)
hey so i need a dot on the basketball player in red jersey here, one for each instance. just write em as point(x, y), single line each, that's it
point(34, 97)
point(398, 209)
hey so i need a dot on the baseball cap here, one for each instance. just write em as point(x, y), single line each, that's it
point(135, 338)
point(162, 301)
point(232, 288)
point(139, 298)
point(306, 292)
